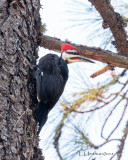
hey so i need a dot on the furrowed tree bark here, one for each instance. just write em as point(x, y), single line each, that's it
point(114, 59)
point(19, 35)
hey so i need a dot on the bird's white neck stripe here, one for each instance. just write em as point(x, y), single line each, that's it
point(72, 51)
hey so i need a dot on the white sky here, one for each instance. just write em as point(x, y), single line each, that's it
point(55, 16)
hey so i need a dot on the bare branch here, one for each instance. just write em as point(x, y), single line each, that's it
point(101, 71)
point(115, 22)
point(114, 59)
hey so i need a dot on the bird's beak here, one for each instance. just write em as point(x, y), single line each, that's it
point(78, 59)
point(70, 58)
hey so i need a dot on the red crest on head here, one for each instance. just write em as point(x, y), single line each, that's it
point(65, 47)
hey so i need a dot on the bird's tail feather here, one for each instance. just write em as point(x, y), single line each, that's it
point(41, 115)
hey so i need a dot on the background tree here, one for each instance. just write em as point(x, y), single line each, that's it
point(19, 38)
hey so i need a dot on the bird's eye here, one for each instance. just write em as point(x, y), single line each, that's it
point(74, 53)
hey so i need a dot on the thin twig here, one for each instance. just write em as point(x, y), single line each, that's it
point(111, 112)
point(118, 122)
point(121, 147)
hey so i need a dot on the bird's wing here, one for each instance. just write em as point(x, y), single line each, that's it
point(54, 86)
point(41, 94)
point(49, 87)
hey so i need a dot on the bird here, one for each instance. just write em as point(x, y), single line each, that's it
point(51, 76)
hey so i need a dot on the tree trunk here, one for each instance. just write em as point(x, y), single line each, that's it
point(19, 37)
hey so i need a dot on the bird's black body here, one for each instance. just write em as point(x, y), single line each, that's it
point(52, 74)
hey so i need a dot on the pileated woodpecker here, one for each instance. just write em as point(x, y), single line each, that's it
point(52, 75)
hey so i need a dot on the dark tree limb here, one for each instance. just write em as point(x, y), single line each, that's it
point(115, 23)
point(114, 59)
